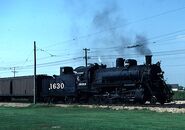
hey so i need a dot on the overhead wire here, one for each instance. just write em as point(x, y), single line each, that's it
point(139, 20)
point(28, 57)
point(53, 63)
point(158, 53)
point(116, 27)
point(164, 37)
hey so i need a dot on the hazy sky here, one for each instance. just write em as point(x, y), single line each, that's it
point(62, 28)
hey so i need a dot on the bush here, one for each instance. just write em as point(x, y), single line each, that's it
point(179, 95)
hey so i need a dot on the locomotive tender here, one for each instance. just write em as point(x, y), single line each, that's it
point(127, 82)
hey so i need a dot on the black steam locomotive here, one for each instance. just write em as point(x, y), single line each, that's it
point(127, 82)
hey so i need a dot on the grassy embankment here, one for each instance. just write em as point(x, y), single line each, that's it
point(75, 118)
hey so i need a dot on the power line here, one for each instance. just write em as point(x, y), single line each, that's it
point(59, 62)
point(158, 53)
point(28, 57)
point(168, 39)
point(42, 50)
point(52, 63)
point(116, 27)
point(171, 34)
point(158, 15)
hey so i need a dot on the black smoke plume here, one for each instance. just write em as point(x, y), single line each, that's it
point(142, 47)
point(112, 32)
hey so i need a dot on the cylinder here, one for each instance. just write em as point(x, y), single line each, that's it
point(148, 59)
point(120, 62)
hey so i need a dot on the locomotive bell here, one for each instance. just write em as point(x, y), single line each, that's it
point(120, 62)
point(148, 59)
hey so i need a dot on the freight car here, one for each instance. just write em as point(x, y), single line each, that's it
point(20, 87)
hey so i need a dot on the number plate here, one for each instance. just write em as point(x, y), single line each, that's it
point(54, 86)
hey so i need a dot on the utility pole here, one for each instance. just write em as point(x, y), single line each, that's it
point(86, 57)
point(35, 80)
point(14, 71)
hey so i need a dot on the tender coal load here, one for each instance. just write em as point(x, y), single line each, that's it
point(120, 62)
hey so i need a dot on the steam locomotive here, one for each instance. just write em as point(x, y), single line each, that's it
point(95, 84)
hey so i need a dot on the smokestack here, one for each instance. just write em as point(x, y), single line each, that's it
point(120, 62)
point(148, 59)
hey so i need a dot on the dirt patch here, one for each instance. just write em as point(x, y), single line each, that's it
point(157, 109)
point(173, 107)
point(5, 104)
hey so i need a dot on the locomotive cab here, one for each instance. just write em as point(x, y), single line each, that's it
point(82, 77)
point(86, 75)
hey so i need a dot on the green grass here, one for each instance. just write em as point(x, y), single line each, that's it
point(76, 118)
point(179, 95)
